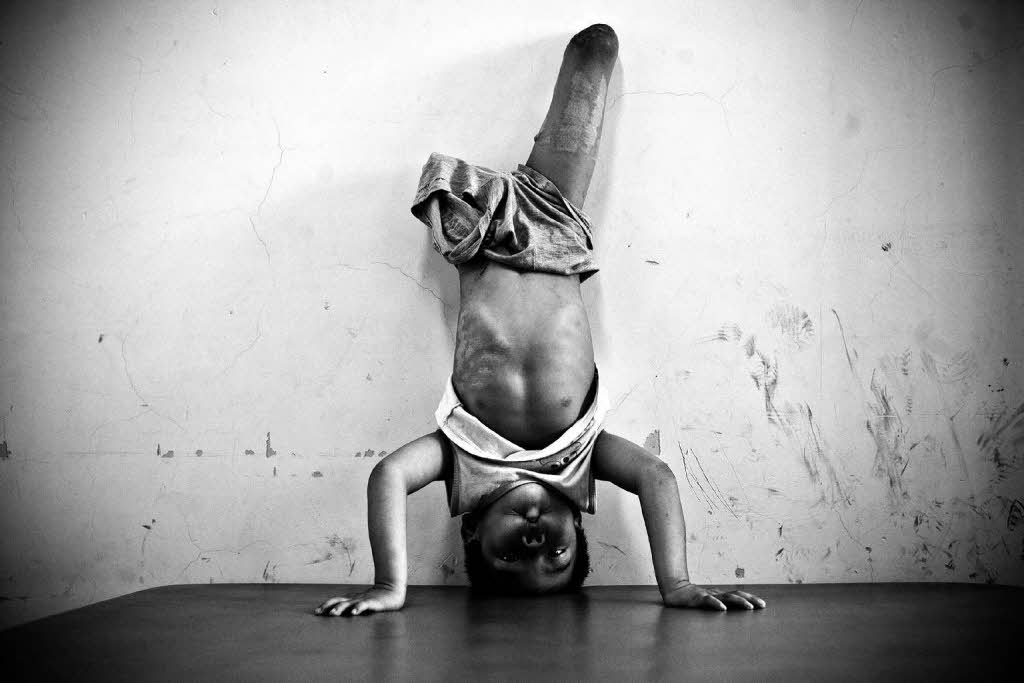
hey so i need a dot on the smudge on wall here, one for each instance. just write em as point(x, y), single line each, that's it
point(1002, 442)
point(792, 323)
point(886, 428)
point(795, 420)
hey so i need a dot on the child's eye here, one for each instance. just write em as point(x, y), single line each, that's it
point(558, 551)
point(509, 557)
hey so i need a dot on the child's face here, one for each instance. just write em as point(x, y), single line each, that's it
point(528, 538)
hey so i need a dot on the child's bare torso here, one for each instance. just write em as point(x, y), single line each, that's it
point(524, 357)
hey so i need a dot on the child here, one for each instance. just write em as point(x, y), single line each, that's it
point(521, 439)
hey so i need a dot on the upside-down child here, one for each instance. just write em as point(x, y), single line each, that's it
point(520, 436)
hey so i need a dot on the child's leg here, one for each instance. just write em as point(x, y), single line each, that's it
point(565, 149)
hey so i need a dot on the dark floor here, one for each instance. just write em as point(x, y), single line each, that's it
point(809, 632)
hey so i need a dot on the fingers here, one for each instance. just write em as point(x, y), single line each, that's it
point(326, 606)
point(709, 601)
point(364, 607)
point(735, 600)
point(341, 608)
point(347, 607)
point(757, 602)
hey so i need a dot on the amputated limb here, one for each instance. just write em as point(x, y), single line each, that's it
point(565, 149)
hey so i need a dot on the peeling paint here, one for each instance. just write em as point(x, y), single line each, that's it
point(653, 442)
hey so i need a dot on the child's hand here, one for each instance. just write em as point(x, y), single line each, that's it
point(376, 599)
point(692, 595)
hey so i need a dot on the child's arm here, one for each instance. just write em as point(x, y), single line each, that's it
point(408, 469)
point(640, 472)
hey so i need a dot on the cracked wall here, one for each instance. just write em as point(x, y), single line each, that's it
point(218, 313)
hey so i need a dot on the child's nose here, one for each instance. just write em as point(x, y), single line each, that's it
point(532, 513)
point(533, 538)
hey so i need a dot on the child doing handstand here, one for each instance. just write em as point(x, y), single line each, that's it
point(521, 439)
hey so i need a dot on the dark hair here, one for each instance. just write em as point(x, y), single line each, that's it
point(484, 581)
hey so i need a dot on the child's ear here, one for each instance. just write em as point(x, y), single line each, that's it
point(469, 528)
point(577, 520)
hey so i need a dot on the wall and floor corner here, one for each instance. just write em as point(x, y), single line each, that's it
point(217, 312)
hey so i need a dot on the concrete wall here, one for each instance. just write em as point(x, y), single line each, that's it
point(217, 312)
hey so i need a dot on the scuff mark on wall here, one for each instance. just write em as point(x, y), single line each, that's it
point(270, 452)
point(793, 323)
point(846, 346)
point(817, 461)
point(5, 452)
point(347, 545)
point(1015, 516)
point(727, 332)
point(714, 500)
point(317, 474)
point(886, 428)
point(145, 536)
point(327, 557)
point(612, 546)
point(949, 376)
point(884, 424)
point(447, 567)
point(796, 328)
point(1003, 442)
